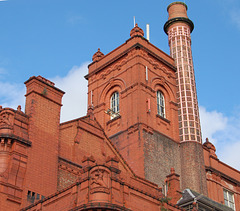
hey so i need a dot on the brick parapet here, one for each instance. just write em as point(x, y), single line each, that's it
point(89, 192)
point(123, 49)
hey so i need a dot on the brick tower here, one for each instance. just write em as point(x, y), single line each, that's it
point(133, 92)
point(179, 28)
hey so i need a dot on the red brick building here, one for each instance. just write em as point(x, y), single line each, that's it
point(138, 148)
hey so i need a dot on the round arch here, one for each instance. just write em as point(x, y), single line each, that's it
point(161, 84)
point(113, 86)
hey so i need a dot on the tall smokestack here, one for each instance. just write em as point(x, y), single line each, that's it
point(179, 28)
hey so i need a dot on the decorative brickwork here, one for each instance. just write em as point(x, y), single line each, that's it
point(102, 189)
point(68, 173)
point(179, 27)
point(180, 49)
point(127, 149)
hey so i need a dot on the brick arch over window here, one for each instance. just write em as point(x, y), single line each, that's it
point(115, 110)
point(167, 90)
point(166, 97)
point(159, 84)
point(111, 87)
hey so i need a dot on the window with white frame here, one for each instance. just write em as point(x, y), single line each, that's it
point(166, 188)
point(114, 103)
point(229, 199)
point(160, 104)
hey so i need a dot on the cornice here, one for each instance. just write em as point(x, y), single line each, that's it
point(208, 168)
point(178, 19)
point(16, 138)
point(136, 46)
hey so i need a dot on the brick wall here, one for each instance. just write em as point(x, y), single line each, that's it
point(192, 167)
point(43, 104)
point(160, 155)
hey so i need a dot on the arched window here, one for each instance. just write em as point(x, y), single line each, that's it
point(160, 104)
point(114, 102)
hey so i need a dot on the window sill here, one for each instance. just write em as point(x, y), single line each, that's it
point(164, 119)
point(114, 119)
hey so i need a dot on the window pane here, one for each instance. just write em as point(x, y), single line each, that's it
point(225, 194)
point(160, 104)
point(114, 103)
point(226, 202)
point(231, 205)
point(230, 197)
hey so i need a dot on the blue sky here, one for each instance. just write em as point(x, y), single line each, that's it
point(57, 38)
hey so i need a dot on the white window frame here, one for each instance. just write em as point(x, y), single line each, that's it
point(161, 104)
point(166, 188)
point(114, 105)
point(227, 200)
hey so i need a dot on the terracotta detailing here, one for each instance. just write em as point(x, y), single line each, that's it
point(97, 56)
point(116, 162)
point(124, 71)
point(136, 31)
point(13, 156)
point(68, 173)
point(210, 147)
point(103, 189)
point(104, 177)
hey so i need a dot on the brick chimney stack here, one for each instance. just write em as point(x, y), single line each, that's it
point(179, 28)
point(43, 105)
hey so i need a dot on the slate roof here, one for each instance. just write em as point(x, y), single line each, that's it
point(190, 196)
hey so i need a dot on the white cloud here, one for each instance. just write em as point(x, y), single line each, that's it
point(75, 87)
point(231, 155)
point(12, 94)
point(224, 133)
point(73, 84)
point(211, 123)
